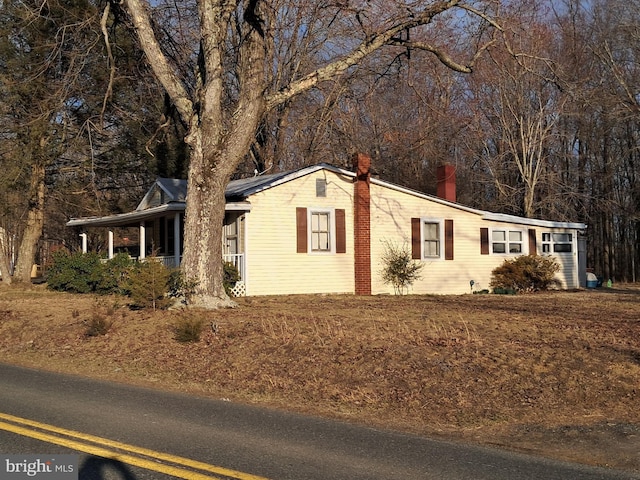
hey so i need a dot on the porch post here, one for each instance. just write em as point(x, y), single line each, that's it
point(143, 241)
point(84, 242)
point(177, 241)
point(110, 255)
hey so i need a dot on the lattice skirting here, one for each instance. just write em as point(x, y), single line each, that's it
point(239, 290)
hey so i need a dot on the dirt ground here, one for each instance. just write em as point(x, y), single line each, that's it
point(555, 374)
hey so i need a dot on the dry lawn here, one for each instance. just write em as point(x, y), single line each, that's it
point(555, 373)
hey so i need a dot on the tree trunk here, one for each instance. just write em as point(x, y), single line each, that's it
point(202, 258)
point(34, 224)
point(5, 271)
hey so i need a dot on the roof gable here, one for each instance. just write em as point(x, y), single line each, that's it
point(164, 191)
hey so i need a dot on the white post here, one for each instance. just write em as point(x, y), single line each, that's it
point(177, 241)
point(110, 244)
point(242, 230)
point(143, 242)
point(84, 242)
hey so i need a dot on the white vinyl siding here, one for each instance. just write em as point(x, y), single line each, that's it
point(392, 215)
point(274, 266)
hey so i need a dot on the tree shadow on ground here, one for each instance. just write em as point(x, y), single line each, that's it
point(99, 468)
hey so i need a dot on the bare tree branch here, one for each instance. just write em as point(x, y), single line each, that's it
point(112, 64)
point(444, 57)
point(158, 61)
point(367, 47)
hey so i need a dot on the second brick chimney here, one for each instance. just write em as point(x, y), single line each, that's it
point(446, 177)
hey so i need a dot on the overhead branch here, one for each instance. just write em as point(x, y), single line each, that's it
point(112, 64)
point(158, 61)
point(390, 36)
point(443, 56)
point(482, 15)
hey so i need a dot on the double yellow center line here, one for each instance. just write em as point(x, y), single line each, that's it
point(178, 467)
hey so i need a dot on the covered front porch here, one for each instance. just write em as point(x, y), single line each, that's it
point(158, 232)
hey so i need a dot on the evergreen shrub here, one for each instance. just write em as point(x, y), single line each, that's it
point(74, 272)
point(115, 274)
point(231, 277)
point(148, 285)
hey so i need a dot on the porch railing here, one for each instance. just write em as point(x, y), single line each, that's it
point(168, 261)
point(236, 259)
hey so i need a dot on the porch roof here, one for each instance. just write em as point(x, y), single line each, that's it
point(133, 219)
point(129, 219)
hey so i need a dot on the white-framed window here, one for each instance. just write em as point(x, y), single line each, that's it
point(507, 241)
point(432, 235)
point(321, 230)
point(321, 235)
point(557, 242)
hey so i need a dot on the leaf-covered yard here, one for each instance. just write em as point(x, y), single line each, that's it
point(555, 373)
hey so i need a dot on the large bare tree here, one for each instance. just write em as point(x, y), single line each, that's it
point(232, 86)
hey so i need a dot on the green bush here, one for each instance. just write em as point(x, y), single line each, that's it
point(114, 275)
point(526, 273)
point(181, 287)
point(148, 285)
point(400, 270)
point(75, 272)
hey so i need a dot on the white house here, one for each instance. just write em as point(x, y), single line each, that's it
point(323, 229)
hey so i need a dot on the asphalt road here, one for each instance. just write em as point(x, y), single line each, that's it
point(124, 432)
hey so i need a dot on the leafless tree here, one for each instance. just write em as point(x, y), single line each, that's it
point(518, 103)
point(224, 99)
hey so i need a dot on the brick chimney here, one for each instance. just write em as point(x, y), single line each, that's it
point(446, 177)
point(362, 223)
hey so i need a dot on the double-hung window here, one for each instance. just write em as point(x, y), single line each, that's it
point(432, 239)
point(507, 241)
point(557, 242)
point(320, 232)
